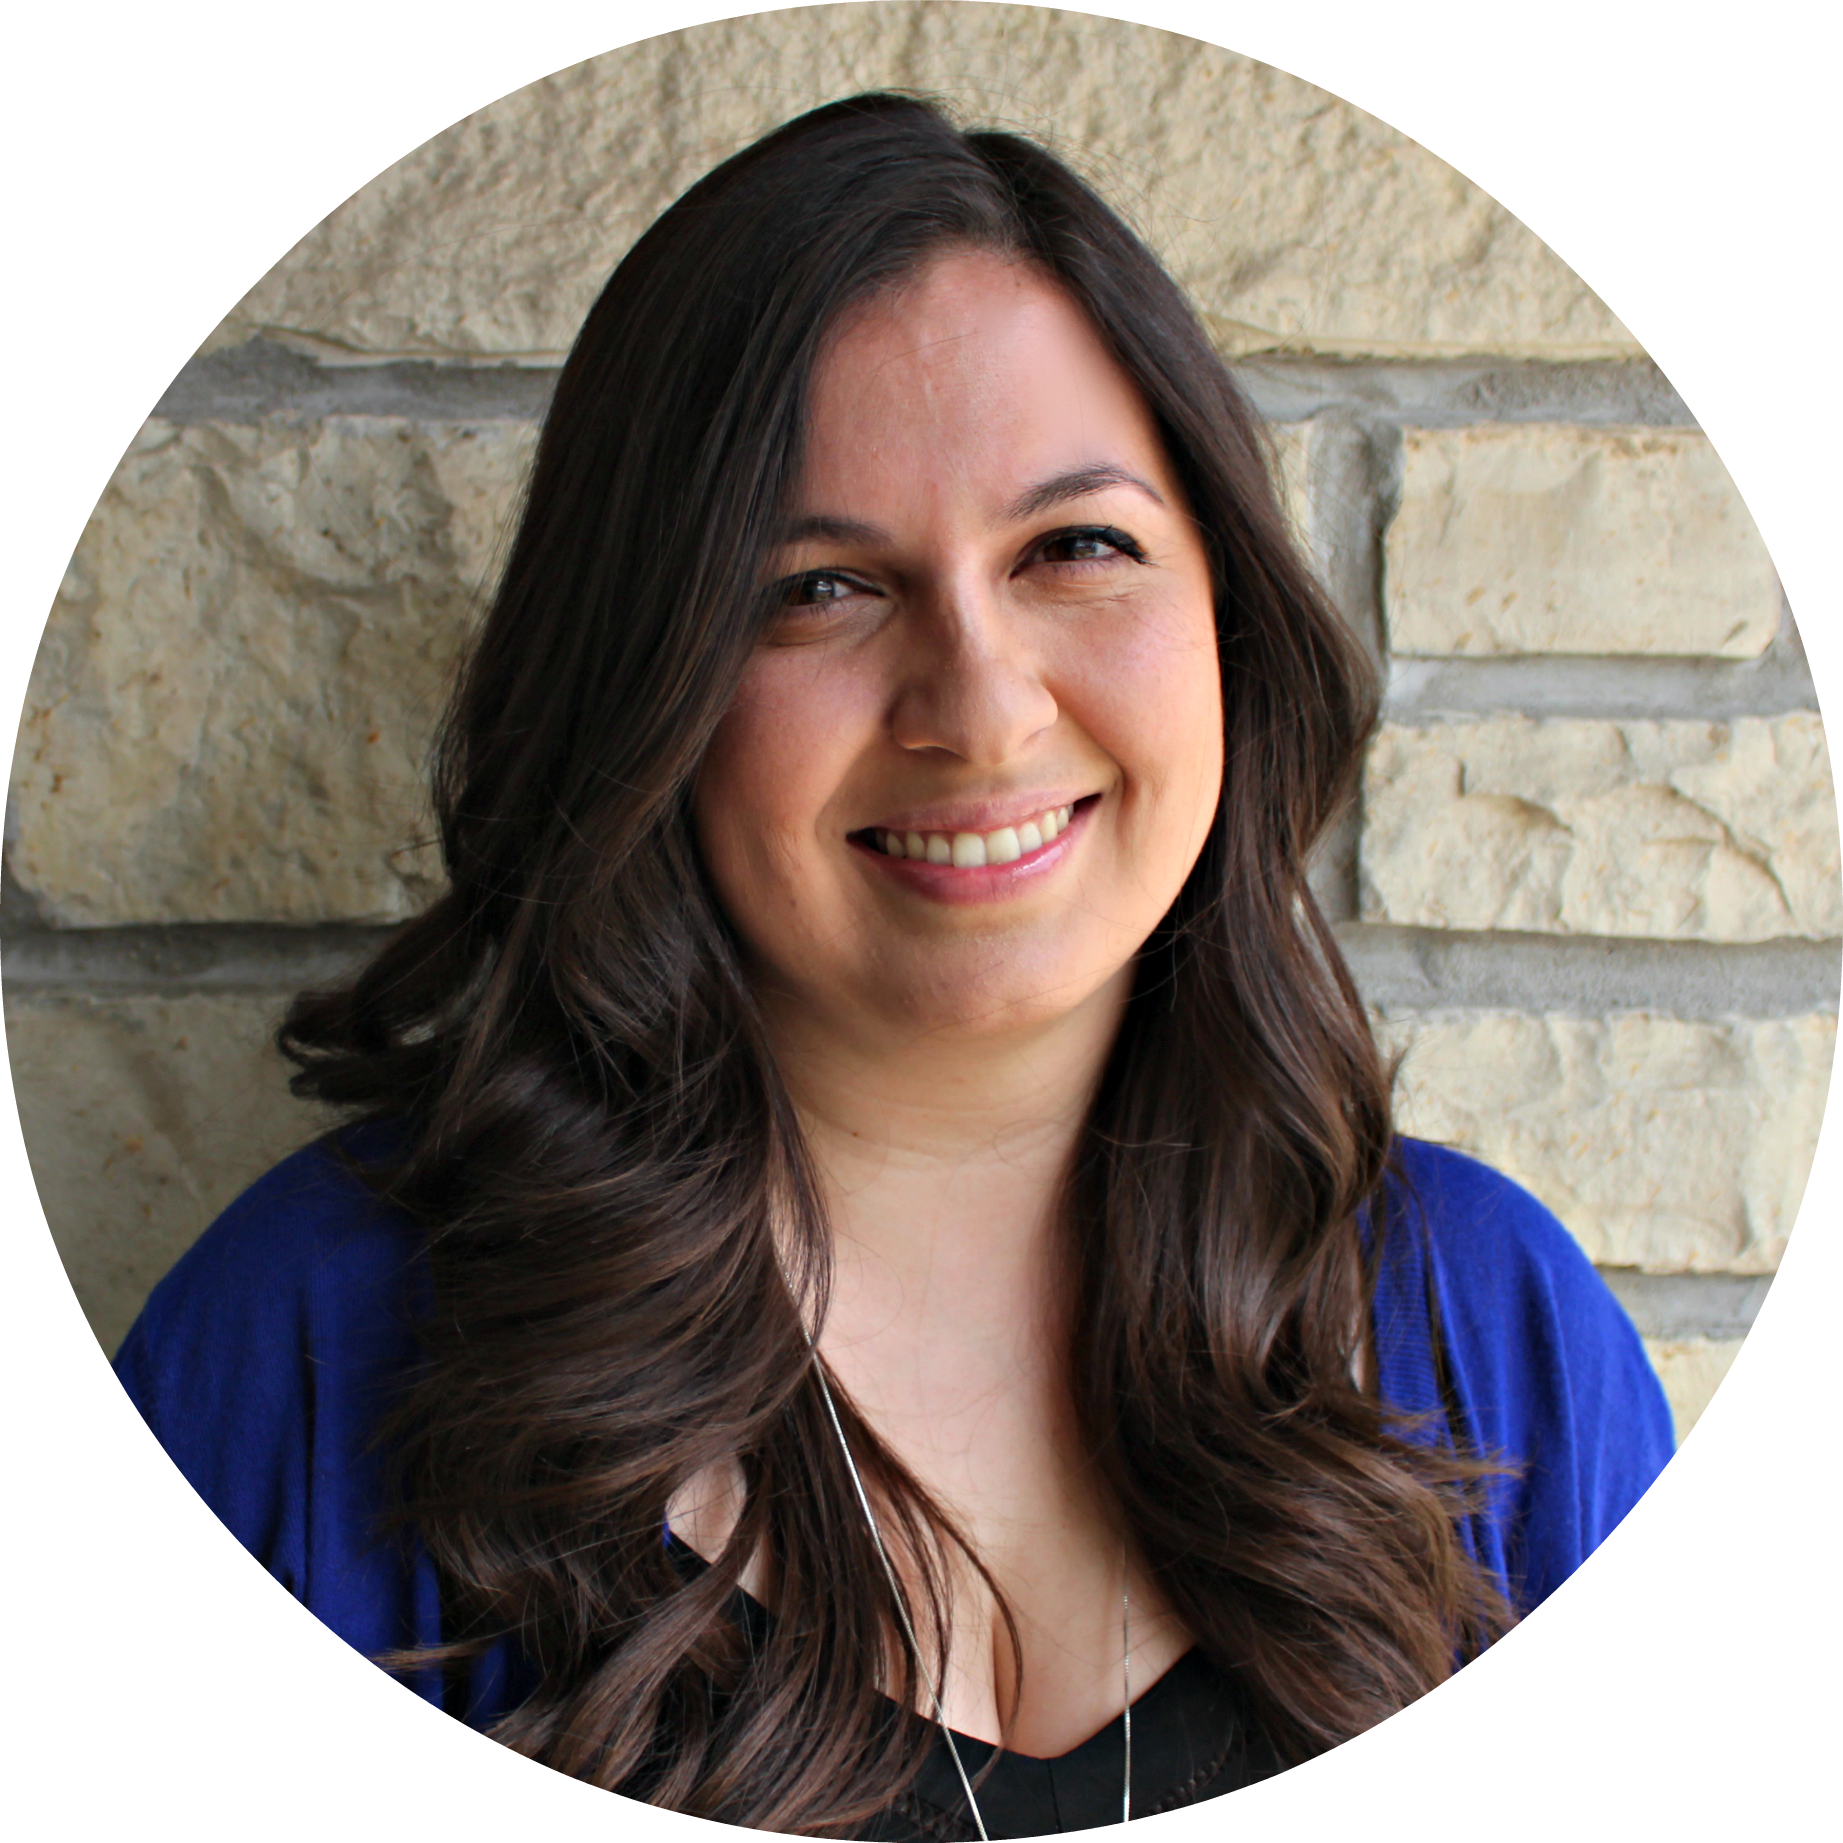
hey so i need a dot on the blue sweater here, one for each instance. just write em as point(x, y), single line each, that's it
point(264, 1359)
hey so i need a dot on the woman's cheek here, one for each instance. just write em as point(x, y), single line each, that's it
point(732, 818)
point(1152, 699)
point(778, 759)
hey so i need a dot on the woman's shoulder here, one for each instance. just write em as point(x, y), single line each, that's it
point(1492, 1239)
point(264, 1362)
point(304, 1289)
point(1543, 1365)
point(309, 1239)
point(1510, 1278)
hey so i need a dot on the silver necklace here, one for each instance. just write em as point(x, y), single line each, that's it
point(915, 1650)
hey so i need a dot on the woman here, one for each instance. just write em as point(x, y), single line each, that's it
point(870, 1291)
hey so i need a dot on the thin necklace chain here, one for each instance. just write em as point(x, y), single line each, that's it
point(915, 1650)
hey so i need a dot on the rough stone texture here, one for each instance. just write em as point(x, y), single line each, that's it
point(1677, 830)
point(1293, 218)
point(1691, 1369)
point(229, 715)
point(1663, 1144)
point(143, 1117)
point(1551, 539)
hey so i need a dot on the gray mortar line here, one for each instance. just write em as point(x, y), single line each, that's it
point(182, 958)
point(1449, 393)
point(1428, 969)
point(1688, 1305)
point(260, 378)
point(1561, 685)
point(1399, 969)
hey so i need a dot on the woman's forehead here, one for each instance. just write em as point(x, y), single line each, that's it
point(979, 374)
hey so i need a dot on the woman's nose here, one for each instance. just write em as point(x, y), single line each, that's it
point(971, 684)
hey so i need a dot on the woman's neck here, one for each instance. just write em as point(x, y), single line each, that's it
point(944, 1150)
point(943, 1160)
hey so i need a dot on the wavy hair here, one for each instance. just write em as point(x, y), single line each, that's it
point(593, 1133)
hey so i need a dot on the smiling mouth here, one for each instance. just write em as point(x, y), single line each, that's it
point(972, 850)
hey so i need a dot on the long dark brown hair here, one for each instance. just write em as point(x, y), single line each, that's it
point(593, 1132)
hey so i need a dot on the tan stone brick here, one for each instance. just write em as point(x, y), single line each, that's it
point(1663, 1144)
point(1691, 1370)
point(1680, 830)
point(229, 715)
point(1292, 217)
point(143, 1117)
point(1547, 539)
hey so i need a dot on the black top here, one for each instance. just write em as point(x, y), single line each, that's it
point(1192, 1739)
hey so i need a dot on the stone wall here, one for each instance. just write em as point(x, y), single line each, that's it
point(1592, 893)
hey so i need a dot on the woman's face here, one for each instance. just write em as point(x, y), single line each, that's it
point(971, 764)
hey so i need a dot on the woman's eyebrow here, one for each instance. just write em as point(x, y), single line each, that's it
point(830, 526)
point(1075, 484)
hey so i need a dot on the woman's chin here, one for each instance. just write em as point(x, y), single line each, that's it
point(1000, 1003)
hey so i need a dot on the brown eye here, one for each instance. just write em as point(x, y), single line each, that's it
point(1089, 544)
point(816, 589)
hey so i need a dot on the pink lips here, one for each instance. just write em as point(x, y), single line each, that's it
point(984, 882)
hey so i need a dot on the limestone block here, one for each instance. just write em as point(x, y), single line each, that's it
point(1691, 1370)
point(143, 1117)
point(1293, 218)
point(1675, 829)
point(1663, 1144)
point(229, 715)
point(1551, 539)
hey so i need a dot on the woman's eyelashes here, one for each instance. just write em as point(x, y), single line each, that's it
point(818, 590)
point(1085, 544)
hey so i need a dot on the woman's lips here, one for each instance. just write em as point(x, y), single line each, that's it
point(977, 866)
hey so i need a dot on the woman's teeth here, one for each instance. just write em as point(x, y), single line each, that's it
point(974, 850)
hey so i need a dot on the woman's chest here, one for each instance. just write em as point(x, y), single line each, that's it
point(959, 1368)
point(979, 1411)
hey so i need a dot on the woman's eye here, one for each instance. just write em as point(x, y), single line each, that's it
point(1092, 544)
point(816, 589)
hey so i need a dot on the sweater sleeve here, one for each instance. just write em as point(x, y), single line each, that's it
point(263, 1363)
point(1547, 1372)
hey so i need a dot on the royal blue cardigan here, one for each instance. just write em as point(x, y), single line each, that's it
point(264, 1360)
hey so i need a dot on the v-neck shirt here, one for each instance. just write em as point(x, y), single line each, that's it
point(1193, 1738)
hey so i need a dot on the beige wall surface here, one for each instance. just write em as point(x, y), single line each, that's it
point(1591, 893)
point(1291, 217)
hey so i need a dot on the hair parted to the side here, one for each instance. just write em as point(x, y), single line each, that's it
point(595, 1136)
